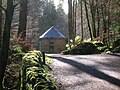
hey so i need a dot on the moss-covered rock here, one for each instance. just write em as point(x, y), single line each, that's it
point(34, 75)
point(82, 49)
point(116, 43)
point(66, 52)
point(98, 43)
point(117, 49)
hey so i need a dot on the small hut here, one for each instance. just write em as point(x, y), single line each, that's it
point(52, 41)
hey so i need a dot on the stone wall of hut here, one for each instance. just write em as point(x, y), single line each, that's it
point(52, 45)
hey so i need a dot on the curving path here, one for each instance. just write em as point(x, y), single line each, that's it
point(86, 72)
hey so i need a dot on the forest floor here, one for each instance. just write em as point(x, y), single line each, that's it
point(86, 72)
point(12, 73)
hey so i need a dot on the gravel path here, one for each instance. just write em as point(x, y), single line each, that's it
point(86, 72)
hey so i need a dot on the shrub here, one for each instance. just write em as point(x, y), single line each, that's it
point(17, 49)
point(70, 44)
point(102, 48)
point(77, 40)
point(23, 43)
point(98, 43)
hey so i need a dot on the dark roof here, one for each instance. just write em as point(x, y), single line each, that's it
point(52, 33)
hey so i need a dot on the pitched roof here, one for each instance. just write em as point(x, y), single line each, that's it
point(52, 33)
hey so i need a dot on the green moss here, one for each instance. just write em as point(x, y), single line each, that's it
point(91, 47)
point(117, 49)
point(116, 43)
point(48, 60)
point(35, 75)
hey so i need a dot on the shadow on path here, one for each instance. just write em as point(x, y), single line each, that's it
point(118, 55)
point(90, 70)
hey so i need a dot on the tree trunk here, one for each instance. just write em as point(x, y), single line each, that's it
point(93, 11)
point(82, 20)
point(74, 19)
point(70, 26)
point(86, 10)
point(108, 26)
point(0, 26)
point(103, 11)
point(75, 12)
point(22, 19)
point(6, 39)
point(98, 22)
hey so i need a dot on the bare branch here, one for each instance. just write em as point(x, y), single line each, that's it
point(2, 8)
point(16, 5)
point(83, 1)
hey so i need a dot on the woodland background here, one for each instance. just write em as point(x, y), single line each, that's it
point(23, 21)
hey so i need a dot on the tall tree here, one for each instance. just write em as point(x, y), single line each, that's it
point(70, 20)
point(108, 22)
point(22, 18)
point(93, 15)
point(82, 21)
point(6, 38)
point(98, 19)
point(74, 17)
point(104, 18)
point(0, 25)
point(48, 17)
point(88, 21)
point(61, 20)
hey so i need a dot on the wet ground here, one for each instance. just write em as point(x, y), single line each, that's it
point(86, 72)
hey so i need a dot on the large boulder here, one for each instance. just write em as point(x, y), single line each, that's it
point(116, 43)
point(117, 49)
point(82, 49)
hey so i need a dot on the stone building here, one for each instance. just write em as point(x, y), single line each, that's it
point(52, 41)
